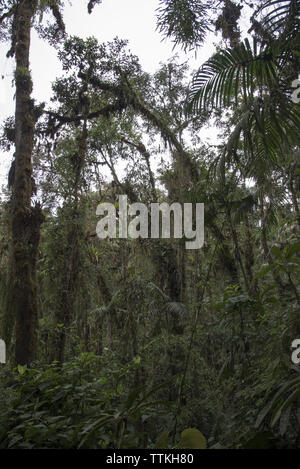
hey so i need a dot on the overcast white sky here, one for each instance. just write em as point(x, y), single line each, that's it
point(128, 19)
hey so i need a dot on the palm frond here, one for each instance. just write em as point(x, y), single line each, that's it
point(264, 131)
point(155, 288)
point(105, 309)
point(282, 15)
point(231, 74)
point(175, 307)
point(276, 409)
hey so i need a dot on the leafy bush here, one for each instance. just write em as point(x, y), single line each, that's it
point(73, 406)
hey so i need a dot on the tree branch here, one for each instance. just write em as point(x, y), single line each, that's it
point(150, 115)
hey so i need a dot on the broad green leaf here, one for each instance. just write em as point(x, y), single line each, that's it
point(292, 250)
point(264, 271)
point(21, 369)
point(191, 438)
point(276, 252)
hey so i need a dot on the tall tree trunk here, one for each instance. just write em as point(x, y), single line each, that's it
point(237, 250)
point(226, 258)
point(249, 256)
point(295, 201)
point(266, 250)
point(75, 235)
point(26, 220)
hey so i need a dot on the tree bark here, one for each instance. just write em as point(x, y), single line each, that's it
point(26, 220)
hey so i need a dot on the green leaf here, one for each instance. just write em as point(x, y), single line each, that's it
point(21, 369)
point(262, 440)
point(137, 360)
point(14, 440)
point(293, 249)
point(264, 271)
point(162, 442)
point(276, 252)
point(191, 438)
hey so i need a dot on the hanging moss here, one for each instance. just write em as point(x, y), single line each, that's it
point(227, 22)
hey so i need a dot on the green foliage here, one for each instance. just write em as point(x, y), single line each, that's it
point(185, 21)
point(282, 16)
point(232, 73)
point(191, 438)
point(278, 409)
point(73, 406)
